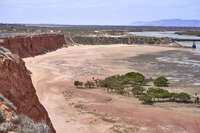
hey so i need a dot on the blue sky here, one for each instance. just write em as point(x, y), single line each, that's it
point(98, 12)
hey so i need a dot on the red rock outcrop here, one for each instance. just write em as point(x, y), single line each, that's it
point(16, 85)
point(31, 45)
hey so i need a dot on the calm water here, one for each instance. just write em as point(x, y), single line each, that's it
point(169, 34)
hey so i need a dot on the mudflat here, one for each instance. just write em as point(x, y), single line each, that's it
point(94, 110)
point(182, 68)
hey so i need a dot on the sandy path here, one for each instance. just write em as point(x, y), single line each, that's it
point(54, 72)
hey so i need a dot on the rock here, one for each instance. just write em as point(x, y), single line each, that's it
point(16, 85)
point(31, 45)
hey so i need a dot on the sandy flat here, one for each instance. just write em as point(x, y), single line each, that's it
point(87, 111)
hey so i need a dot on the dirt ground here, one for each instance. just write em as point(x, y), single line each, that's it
point(93, 110)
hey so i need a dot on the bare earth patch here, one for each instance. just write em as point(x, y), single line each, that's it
point(87, 111)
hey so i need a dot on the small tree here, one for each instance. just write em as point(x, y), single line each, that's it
point(173, 96)
point(78, 84)
point(161, 82)
point(146, 99)
point(97, 82)
point(138, 90)
point(165, 94)
point(134, 78)
point(196, 100)
point(120, 89)
point(89, 84)
point(158, 93)
point(183, 97)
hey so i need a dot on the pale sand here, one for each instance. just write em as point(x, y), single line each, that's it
point(54, 73)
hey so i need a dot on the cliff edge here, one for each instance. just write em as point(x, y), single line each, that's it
point(31, 45)
point(16, 85)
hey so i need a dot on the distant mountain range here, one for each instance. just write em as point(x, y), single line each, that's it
point(170, 22)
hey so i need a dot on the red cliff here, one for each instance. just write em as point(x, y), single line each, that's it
point(16, 84)
point(31, 45)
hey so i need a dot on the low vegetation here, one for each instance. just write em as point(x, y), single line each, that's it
point(26, 125)
point(192, 33)
point(138, 91)
point(161, 82)
point(23, 124)
point(146, 99)
point(18, 123)
point(89, 84)
point(133, 83)
point(78, 84)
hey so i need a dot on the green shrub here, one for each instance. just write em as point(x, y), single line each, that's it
point(102, 83)
point(78, 84)
point(158, 93)
point(165, 94)
point(120, 89)
point(153, 91)
point(161, 82)
point(111, 82)
point(117, 80)
point(182, 97)
point(89, 84)
point(146, 99)
point(173, 96)
point(134, 78)
point(138, 90)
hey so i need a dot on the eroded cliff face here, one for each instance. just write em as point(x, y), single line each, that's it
point(31, 45)
point(16, 85)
